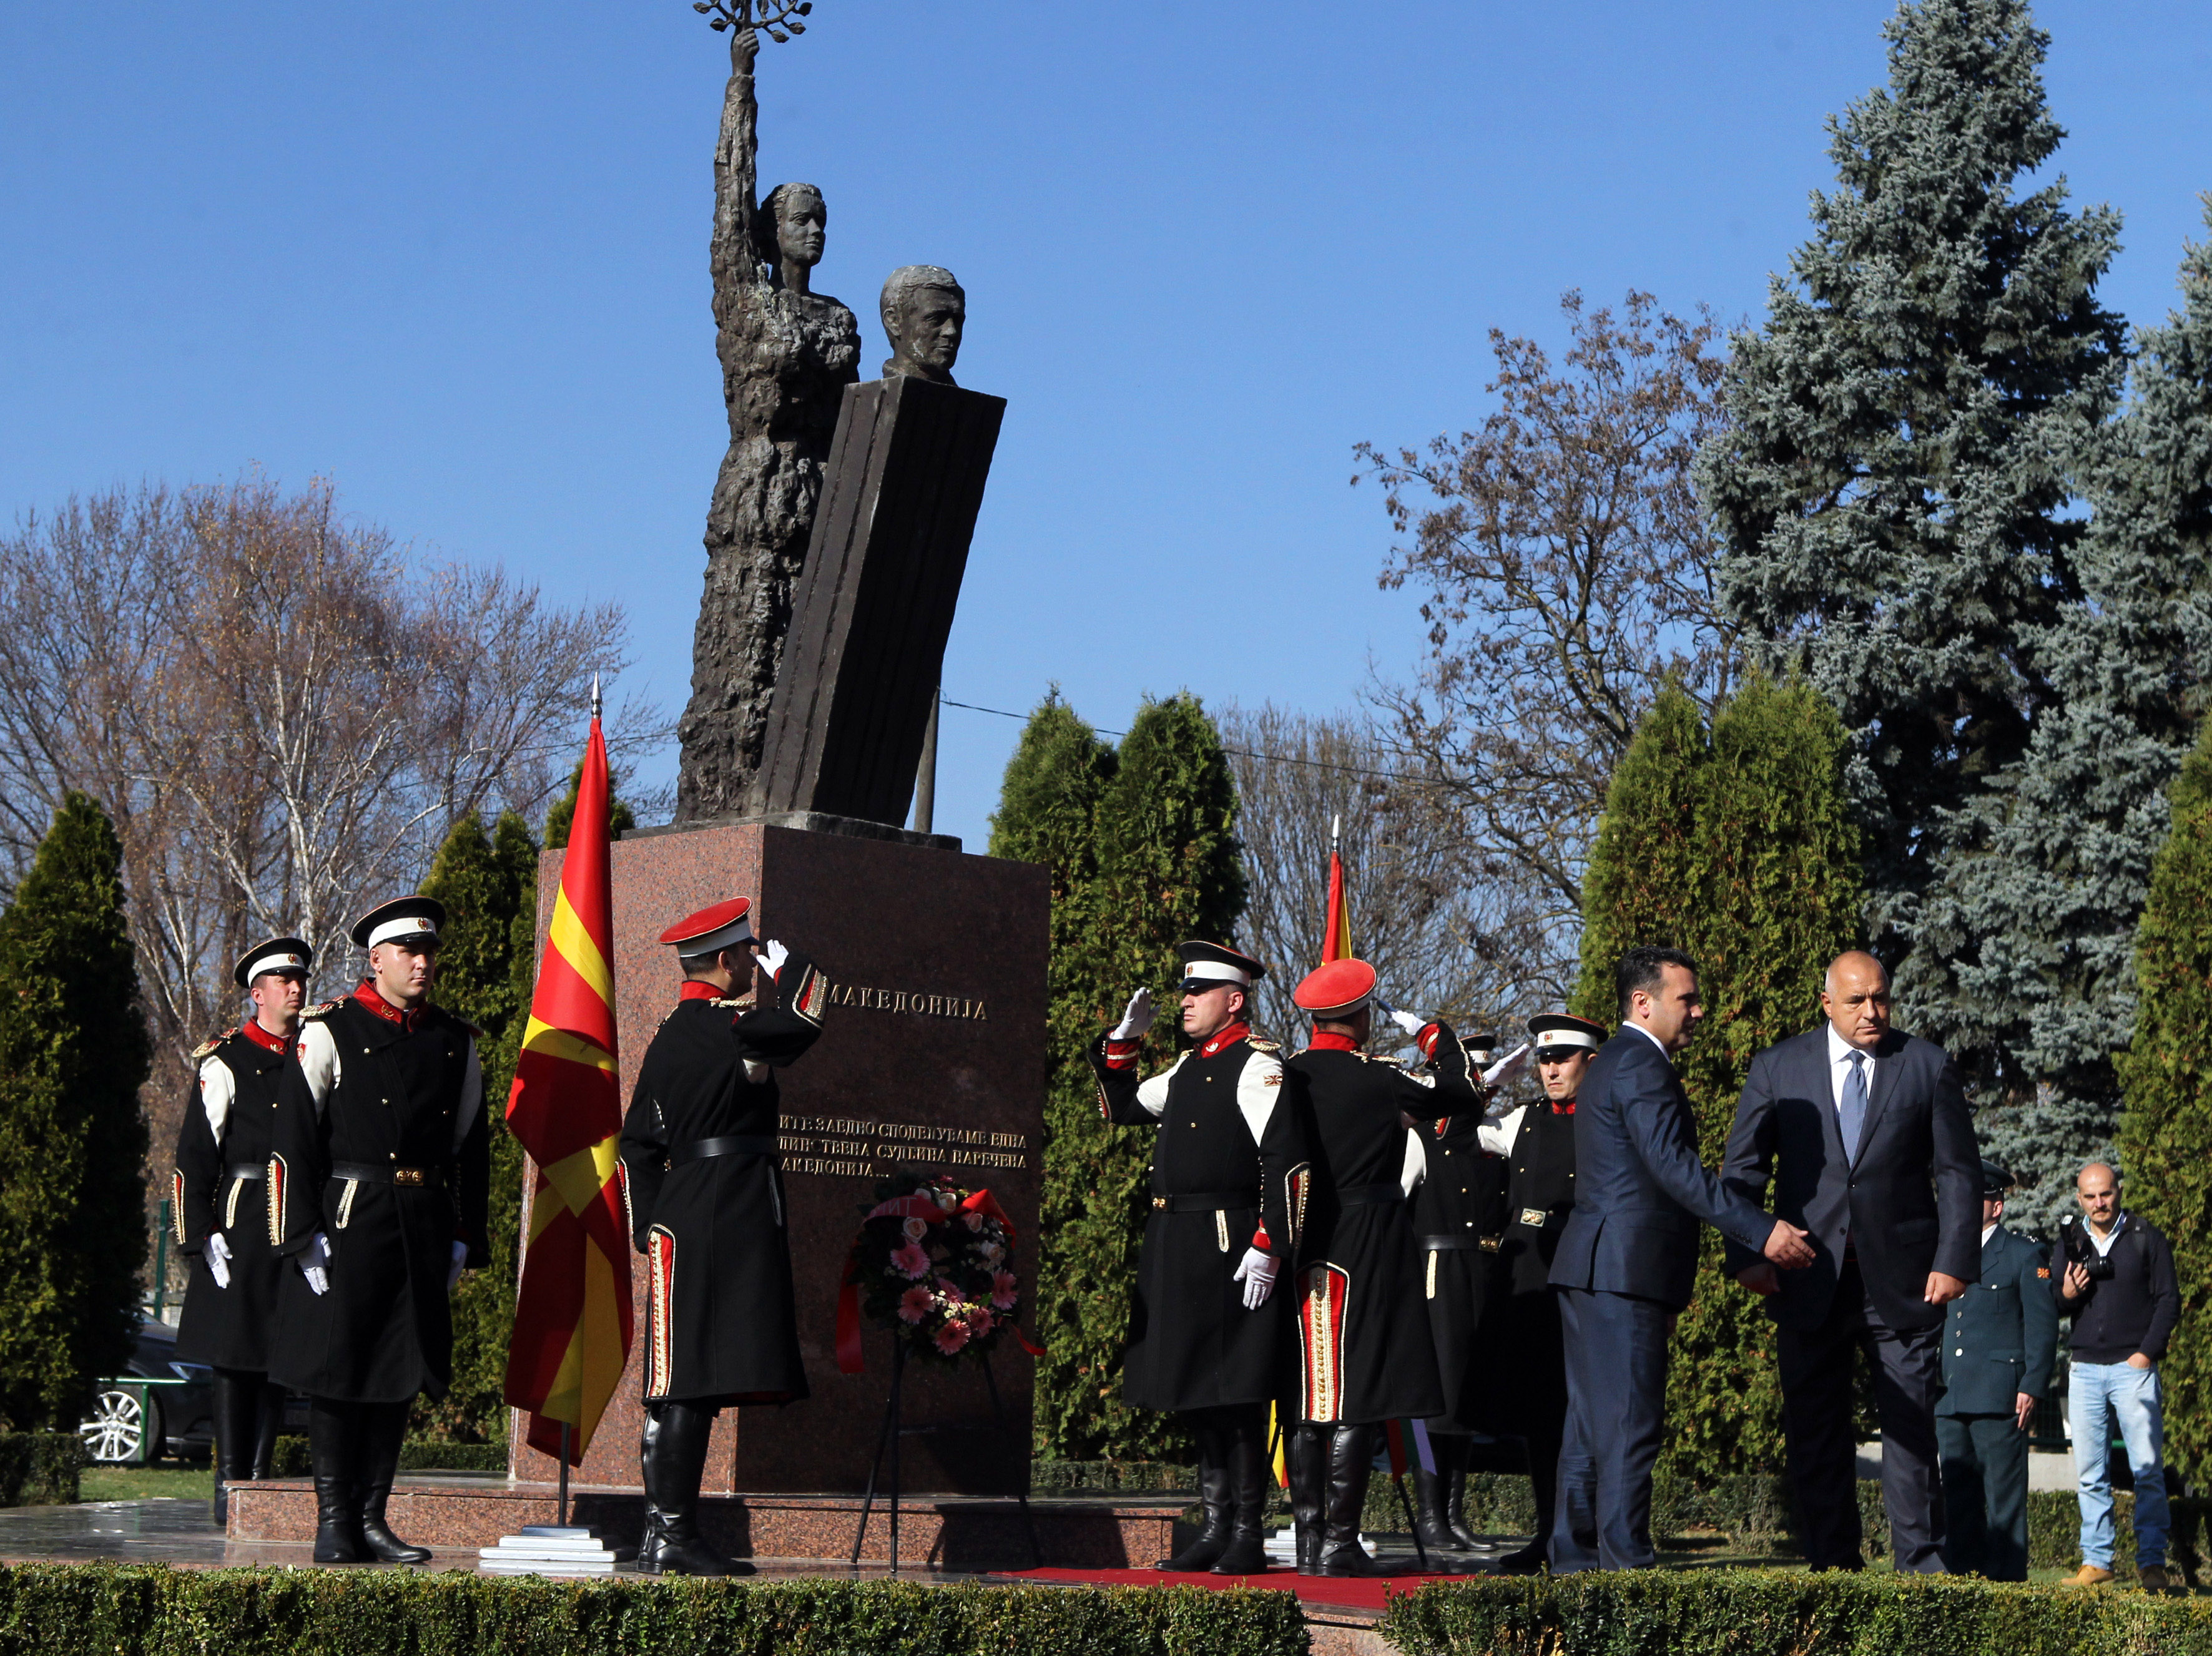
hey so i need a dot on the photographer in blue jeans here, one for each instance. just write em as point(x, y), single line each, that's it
point(2114, 1276)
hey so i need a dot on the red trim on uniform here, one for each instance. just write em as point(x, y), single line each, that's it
point(1328, 1040)
point(695, 990)
point(366, 995)
point(1259, 1238)
point(260, 1037)
point(1426, 1040)
point(1122, 1054)
point(1226, 1038)
point(1324, 1291)
point(1567, 1108)
point(660, 1299)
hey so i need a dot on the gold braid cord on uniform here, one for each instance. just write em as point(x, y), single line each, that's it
point(176, 1205)
point(661, 1285)
point(276, 1201)
point(1298, 1185)
point(1324, 1290)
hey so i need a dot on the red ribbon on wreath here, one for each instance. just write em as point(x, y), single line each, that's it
point(850, 1358)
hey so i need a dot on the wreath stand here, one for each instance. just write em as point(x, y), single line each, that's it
point(894, 1429)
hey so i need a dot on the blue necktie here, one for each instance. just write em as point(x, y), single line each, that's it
point(1850, 1115)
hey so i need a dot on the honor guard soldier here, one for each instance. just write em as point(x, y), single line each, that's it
point(378, 1175)
point(1363, 1327)
point(1459, 1209)
point(1207, 1332)
point(2000, 1345)
point(220, 1211)
point(707, 1209)
point(1520, 1330)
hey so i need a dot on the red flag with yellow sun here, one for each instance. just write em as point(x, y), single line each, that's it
point(572, 1313)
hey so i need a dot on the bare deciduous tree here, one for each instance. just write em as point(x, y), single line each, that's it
point(1568, 570)
point(283, 714)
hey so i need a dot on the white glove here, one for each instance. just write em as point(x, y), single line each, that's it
point(773, 956)
point(218, 1258)
point(315, 1264)
point(1411, 1022)
point(1136, 1018)
point(1508, 1067)
point(460, 1259)
point(1257, 1272)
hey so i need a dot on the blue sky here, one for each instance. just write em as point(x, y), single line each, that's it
point(454, 257)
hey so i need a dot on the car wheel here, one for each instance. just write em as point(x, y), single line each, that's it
point(114, 1433)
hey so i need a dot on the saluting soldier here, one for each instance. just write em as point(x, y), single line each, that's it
point(706, 1208)
point(2000, 1345)
point(1521, 1331)
point(1459, 1209)
point(1363, 1326)
point(219, 1211)
point(1207, 1332)
point(378, 1173)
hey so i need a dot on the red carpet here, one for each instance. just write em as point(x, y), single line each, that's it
point(1353, 1592)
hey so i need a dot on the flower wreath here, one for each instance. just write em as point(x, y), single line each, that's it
point(934, 1263)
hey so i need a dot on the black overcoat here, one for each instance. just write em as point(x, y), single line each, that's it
point(1459, 1207)
point(1230, 1167)
point(220, 1187)
point(1363, 1342)
point(380, 1147)
point(721, 1325)
point(1521, 1333)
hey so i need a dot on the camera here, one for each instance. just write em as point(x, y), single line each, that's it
point(2080, 1250)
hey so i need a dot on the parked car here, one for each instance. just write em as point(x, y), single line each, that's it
point(156, 1404)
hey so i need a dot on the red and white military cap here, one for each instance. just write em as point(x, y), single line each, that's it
point(1336, 989)
point(710, 932)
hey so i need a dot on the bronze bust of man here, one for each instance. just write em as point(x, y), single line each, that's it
point(924, 310)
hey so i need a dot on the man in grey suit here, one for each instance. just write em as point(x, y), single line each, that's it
point(1626, 1259)
point(1866, 1134)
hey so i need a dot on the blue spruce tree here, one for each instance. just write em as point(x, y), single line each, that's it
point(1892, 496)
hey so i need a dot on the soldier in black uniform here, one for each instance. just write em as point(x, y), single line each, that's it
point(378, 1173)
point(706, 1208)
point(1363, 1328)
point(219, 1210)
point(1459, 1209)
point(1207, 1334)
point(1521, 1333)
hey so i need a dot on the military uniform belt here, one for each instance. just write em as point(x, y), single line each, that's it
point(383, 1173)
point(705, 1149)
point(247, 1170)
point(1205, 1201)
point(1451, 1244)
point(1357, 1195)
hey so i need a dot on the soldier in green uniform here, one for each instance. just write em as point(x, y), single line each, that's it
point(2000, 1342)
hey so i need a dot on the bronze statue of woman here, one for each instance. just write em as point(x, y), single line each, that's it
point(787, 355)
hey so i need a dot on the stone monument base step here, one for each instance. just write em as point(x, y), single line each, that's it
point(943, 1532)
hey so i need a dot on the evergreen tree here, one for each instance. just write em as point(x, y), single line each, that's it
point(1161, 866)
point(1891, 494)
point(2072, 836)
point(2165, 1136)
point(486, 970)
point(1736, 845)
point(563, 812)
point(73, 1052)
point(1047, 814)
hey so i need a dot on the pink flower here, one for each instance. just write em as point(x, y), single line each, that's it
point(911, 1261)
point(978, 1320)
point(975, 1221)
point(947, 1199)
point(1004, 1290)
point(914, 1304)
point(915, 1229)
point(949, 1288)
point(951, 1337)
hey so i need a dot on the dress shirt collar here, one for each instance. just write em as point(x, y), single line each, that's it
point(1839, 1050)
point(2104, 1244)
point(1630, 1023)
point(1988, 1231)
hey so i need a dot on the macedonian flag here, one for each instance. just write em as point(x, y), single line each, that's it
point(572, 1315)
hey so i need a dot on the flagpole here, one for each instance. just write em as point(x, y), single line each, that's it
point(567, 1427)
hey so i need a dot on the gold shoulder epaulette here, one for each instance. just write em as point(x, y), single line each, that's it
point(323, 1010)
point(207, 1047)
point(1261, 1043)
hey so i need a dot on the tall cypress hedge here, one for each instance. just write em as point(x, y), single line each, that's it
point(1141, 843)
point(1734, 843)
point(2165, 1133)
point(73, 1052)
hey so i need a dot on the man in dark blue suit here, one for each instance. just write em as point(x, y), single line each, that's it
point(1626, 1259)
point(1871, 1149)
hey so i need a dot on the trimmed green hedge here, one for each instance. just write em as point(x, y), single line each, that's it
point(1090, 1478)
point(415, 1455)
point(61, 1609)
point(1786, 1613)
point(40, 1469)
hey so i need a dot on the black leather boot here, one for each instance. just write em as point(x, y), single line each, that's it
point(334, 1453)
point(1452, 1455)
point(1351, 1457)
point(1432, 1522)
point(1214, 1495)
point(1305, 1456)
point(675, 1456)
point(383, 1427)
point(236, 1393)
point(1247, 1551)
point(268, 1421)
point(1542, 1448)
